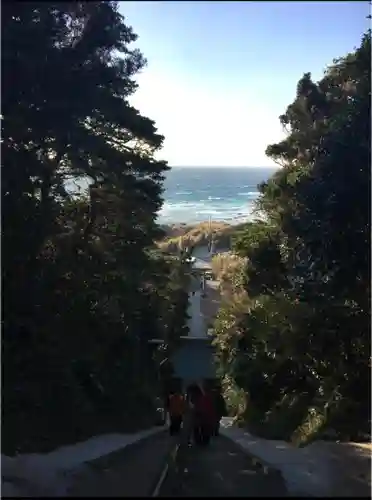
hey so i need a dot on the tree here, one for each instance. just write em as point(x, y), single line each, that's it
point(81, 190)
point(307, 272)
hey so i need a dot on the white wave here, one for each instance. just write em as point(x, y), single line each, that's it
point(249, 193)
point(209, 211)
point(213, 198)
point(199, 211)
point(180, 193)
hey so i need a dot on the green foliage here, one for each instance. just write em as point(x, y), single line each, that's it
point(301, 350)
point(83, 287)
point(260, 244)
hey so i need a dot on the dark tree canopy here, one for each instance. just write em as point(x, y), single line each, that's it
point(83, 288)
point(304, 343)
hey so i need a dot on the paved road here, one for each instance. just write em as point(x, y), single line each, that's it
point(202, 264)
point(133, 471)
point(221, 470)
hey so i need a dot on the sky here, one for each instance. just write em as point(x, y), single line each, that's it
point(220, 73)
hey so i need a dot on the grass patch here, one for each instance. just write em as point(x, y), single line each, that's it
point(310, 428)
point(198, 235)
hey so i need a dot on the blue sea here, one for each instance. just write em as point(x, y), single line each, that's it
point(193, 194)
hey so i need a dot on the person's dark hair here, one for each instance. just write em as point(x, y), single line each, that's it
point(193, 392)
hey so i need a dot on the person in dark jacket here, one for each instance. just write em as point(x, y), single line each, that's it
point(220, 409)
point(208, 416)
point(197, 417)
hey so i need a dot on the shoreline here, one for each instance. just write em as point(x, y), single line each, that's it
point(174, 229)
point(237, 220)
point(240, 218)
point(233, 221)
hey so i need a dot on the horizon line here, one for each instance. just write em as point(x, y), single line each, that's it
point(224, 166)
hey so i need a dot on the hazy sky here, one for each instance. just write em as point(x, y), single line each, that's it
point(220, 73)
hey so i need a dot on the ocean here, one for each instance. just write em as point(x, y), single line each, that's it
point(193, 194)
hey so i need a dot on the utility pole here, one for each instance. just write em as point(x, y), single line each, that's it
point(211, 238)
point(210, 242)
